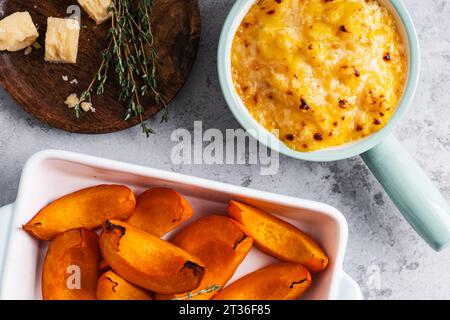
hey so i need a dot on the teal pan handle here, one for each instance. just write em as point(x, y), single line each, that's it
point(412, 191)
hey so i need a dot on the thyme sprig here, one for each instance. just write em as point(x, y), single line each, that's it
point(190, 295)
point(101, 76)
point(131, 53)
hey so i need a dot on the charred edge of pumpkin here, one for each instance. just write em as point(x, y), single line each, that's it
point(114, 284)
point(297, 283)
point(110, 227)
point(197, 269)
point(239, 241)
point(177, 219)
point(82, 239)
point(29, 226)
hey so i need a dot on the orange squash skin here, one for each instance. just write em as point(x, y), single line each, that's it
point(87, 208)
point(147, 261)
point(111, 286)
point(159, 211)
point(72, 251)
point(220, 243)
point(281, 281)
point(279, 238)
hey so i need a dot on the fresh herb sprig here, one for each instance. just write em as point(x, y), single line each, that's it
point(191, 295)
point(131, 53)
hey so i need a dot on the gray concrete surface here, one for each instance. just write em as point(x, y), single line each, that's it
point(384, 254)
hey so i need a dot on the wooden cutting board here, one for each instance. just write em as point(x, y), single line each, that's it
point(39, 86)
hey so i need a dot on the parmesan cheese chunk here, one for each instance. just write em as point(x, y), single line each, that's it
point(97, 9)
point(72, 101)
point(17, 32)
point(61, 40)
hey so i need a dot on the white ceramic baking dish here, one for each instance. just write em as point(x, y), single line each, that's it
point(51, 174)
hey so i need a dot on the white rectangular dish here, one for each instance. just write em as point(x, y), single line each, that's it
point(51, 174)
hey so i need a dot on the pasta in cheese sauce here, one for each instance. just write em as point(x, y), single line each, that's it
point(322, 72)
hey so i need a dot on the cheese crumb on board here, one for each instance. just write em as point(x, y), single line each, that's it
point(86, 106)
point(36, 45)
point(28, 51)
point(97, 9)
point(17, 31)
point(61, 40)
point(72, 100)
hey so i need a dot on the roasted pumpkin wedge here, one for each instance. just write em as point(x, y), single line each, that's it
point(281, 281)
point(220, 244)
point(70, 270)
point(87, 208)
point(111, 286)
point(159, 211)
point(147, 261)
point(279, 238)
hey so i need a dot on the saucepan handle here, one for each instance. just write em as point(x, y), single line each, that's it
point(412, 191)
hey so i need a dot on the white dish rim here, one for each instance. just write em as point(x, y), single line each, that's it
point(340, 278)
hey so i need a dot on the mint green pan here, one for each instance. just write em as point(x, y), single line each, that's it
point(406, 183)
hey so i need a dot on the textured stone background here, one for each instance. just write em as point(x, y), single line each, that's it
point(384, 254)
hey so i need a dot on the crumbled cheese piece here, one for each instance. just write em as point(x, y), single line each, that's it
point(97, 9)
point(17, 32)
point(65, 78)
point(72, 101)
point(28, 51)
point(36, 45)
point(86, 106)
point(61, 40)
point(74, 81)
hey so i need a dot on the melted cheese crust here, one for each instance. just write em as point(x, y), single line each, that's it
point(322, 72)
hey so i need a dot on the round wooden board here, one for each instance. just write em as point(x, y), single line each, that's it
point(39, 86)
